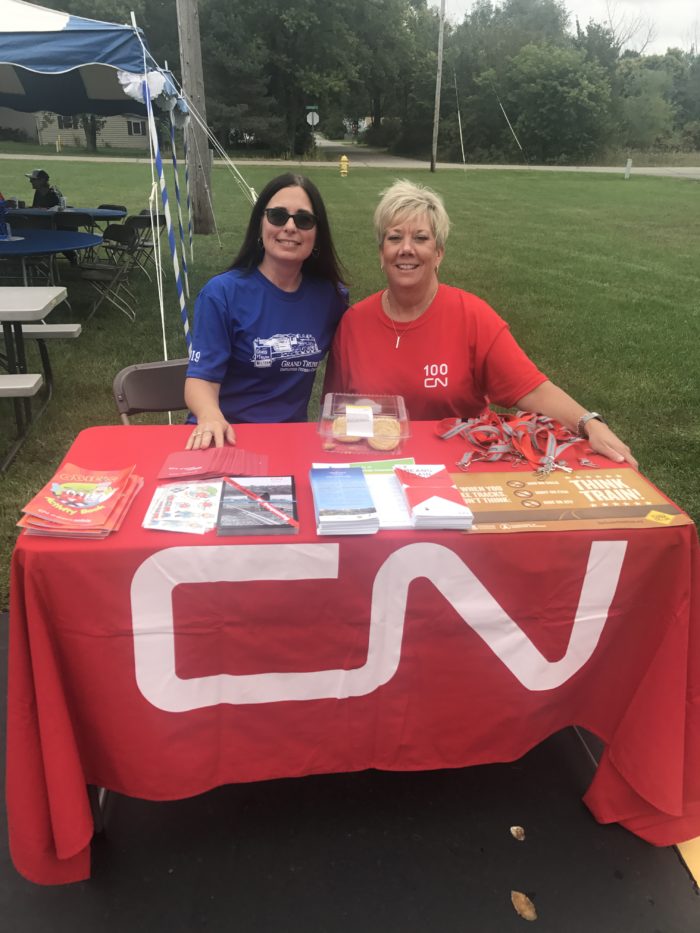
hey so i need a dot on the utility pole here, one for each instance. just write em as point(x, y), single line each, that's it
point(193, 83)
point(438, 85)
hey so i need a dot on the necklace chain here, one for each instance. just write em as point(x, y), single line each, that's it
point(411, 323)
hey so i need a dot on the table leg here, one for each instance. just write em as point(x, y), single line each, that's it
point(21, 365)
point(12, 368)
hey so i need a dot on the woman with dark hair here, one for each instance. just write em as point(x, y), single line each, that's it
point(263, 326)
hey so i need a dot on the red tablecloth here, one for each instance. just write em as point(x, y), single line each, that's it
point(161, 665)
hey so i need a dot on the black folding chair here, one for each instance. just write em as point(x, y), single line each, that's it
point(109, 277)
point(150, 387)
point(141, 224)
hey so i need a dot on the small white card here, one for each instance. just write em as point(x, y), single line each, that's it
point(359, 420)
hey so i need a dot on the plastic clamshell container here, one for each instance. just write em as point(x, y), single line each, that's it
point(363, 424)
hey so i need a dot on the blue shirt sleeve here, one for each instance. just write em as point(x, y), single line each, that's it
point(211, 345)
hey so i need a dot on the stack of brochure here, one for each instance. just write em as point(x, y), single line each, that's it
point(342, 502)
point(81, 503)
point(432, 498)
point(212, 462)
point(385, 490)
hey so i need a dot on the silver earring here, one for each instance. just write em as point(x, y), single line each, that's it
point(315, 252)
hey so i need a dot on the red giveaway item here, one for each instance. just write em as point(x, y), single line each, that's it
point(213, 462)
point(432, 497)
point(76, 497)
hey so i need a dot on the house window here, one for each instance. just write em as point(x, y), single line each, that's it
point(136, 127)
point(68, 123)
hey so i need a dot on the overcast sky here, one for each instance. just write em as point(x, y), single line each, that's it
point(676, 22)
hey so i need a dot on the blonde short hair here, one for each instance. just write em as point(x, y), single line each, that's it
point(405, 200)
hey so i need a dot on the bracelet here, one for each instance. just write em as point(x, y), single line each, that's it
point(583, 421)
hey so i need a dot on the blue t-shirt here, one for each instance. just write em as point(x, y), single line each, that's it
point(261, 344)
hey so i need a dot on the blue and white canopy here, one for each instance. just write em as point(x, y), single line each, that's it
point(68, 64)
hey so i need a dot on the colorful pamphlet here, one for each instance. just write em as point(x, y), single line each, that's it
point(190, 508)
point(78, 502)
point(258, 505)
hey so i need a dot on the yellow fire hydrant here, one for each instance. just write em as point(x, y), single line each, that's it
point(344, 164)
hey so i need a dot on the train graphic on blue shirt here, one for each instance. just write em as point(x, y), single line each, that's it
point(267, 350)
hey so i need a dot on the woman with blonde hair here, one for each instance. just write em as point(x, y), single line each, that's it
point(447, 352)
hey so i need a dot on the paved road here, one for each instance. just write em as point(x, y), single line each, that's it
point(364, 157)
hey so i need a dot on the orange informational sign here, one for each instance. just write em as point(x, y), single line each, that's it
point(582, 499)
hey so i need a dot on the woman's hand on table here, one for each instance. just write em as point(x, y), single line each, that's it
point(212, 433)
point(606, 442)
point(213, 430)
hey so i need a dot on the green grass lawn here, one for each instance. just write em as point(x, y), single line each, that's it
point(597, 277)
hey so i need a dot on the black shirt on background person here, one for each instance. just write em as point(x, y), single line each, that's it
point(45, 195)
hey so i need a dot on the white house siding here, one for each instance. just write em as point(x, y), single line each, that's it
point(115, 133)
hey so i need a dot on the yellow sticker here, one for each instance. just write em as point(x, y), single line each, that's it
point(661, 518)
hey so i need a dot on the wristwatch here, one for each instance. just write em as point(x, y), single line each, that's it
point(583, 421)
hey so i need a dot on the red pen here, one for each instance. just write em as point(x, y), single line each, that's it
point(263, 502)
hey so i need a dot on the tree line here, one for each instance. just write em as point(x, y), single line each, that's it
point(528, 83)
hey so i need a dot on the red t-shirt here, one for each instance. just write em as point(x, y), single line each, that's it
point(451, 361)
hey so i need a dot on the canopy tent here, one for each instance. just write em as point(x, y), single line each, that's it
point(68, 64)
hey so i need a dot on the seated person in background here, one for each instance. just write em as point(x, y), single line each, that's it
point(45, 195)
point(390, 342)
point(263, 327)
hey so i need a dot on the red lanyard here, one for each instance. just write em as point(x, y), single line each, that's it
point(524, 437)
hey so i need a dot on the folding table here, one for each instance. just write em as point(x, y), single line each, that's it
point(160, 665)
point(19, 305)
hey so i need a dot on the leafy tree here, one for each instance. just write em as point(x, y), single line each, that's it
point(484, 45)
point(113, 11)
point(235, 59)
point(309, 57)
point(557, 102)
point(415, 97)
point(380, 45)
point(598, 44)
point(687, 91)
point(647, 112)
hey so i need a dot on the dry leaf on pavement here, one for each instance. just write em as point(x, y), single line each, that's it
point(523, 905)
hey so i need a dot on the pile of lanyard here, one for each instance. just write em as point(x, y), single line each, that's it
point(521, 438)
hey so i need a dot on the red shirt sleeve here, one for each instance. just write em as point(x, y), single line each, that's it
point(508, 372)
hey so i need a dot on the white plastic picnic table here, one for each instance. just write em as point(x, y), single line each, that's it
point(20, 306)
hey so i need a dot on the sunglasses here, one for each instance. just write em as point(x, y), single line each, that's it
point(278, 217)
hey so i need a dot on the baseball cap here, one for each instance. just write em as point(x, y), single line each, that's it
point(37, 173)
